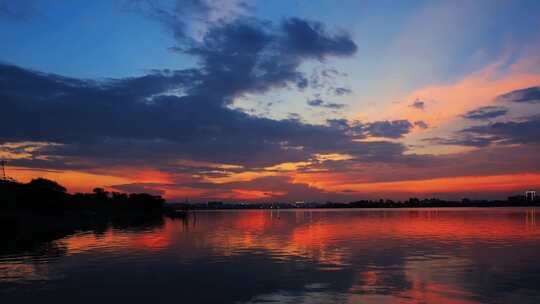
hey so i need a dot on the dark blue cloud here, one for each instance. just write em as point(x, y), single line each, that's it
point(388, 129)
point(131, 120)
point(512, 132)
point(168, 115)
point(501, 133)
point(317, 102)
point(342, 91)
point(527, 95)
point(95, 122)
point(174, 15)
point(254, 57)
point(384, 128)
point(310, 39)
point(484, 113)
point(469, 141)
point(326, 79)
point(418, 104)
point(339, 123)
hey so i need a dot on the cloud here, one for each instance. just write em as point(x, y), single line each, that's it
point(170, 114)
point(511, 132)
point(181, 122)
point(279, 188)
point(310, 39)
point(523, 131)
point(326, 80)
point(254, 56)
point(384, 128)
point(421, 124)
point(418, 104)
point(342, 91)
point(469, 141)
point(364, 176)
point(340, 123)
point(451, 100)
point(388, 129)
point(321, 103)
point(188, 20)
point(527, 95)
point(181, 114)
point(487, 112)
point(315, 102)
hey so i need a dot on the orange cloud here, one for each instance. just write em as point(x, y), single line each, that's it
point(291, 166)
point(447, 102)
point(240, 177)
point(333, 157)
point(150, 175)
point(255, 194)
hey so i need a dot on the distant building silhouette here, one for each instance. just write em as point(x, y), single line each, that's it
point(530, 195)
point(299, 204)
point(215, 204)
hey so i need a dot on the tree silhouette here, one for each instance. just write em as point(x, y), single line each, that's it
point(46, 184)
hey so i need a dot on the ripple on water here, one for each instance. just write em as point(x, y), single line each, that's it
point(337, 256)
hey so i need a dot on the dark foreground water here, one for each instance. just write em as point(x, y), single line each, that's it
point(305, 256)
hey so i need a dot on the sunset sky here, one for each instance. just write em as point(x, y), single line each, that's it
point(273, 100)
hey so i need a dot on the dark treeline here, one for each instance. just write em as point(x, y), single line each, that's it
point(517, 201)
point(46, 196)
point(36, 213)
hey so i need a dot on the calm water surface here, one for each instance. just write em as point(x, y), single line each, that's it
point(306, 256)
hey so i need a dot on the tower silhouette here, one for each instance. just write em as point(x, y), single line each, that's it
point(3, 164)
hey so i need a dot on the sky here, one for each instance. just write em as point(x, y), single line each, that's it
point(273, 101)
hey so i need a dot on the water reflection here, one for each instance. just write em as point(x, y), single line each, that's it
point(298, 256)
point(530, 217)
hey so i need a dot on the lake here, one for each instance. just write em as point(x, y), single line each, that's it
point(489, 255)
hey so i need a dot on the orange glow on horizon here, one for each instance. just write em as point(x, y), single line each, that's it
point(494, 183)
point(74, 181)
point(343, 183)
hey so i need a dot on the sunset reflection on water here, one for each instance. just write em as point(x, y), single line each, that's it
point(293, 256)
